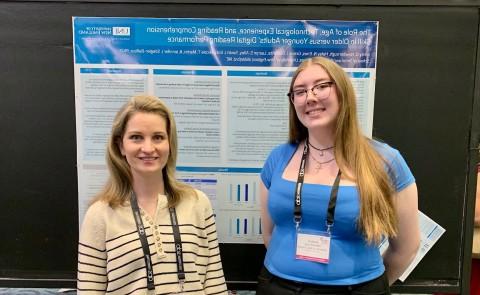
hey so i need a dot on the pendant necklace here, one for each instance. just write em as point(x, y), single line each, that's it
point(320, 150)
point(319, 164)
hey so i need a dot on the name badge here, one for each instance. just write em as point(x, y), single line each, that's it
point(313, 246)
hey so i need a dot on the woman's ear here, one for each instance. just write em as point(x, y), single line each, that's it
point(120, 146)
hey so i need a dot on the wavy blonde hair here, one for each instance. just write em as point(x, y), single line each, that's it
point(354, 152)
point(118, 188)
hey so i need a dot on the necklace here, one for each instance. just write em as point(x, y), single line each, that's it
point(319, 164)
point(319, 149)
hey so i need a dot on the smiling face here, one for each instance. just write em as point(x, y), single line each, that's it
point(145, 144)
point(315, 113)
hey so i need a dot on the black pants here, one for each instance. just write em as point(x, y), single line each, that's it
point(269, 284)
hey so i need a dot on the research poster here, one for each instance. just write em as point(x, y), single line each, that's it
point(225, 80)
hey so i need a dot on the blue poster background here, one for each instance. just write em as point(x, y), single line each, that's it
point(223, 42)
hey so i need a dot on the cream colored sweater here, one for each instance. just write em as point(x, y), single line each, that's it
point(110, 256)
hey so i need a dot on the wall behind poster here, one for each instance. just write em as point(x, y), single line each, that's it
point(423, 106)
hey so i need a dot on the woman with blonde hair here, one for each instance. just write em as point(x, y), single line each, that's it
point(330, 195)
point(146, 232)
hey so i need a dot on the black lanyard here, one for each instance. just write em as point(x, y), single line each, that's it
point(146, 249)
point(143, 239)
point(178, 248)
point(297, 212)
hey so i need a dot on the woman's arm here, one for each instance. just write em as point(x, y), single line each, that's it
point(267, 225)
point(404, 246)
point(214, 282)
point(92, 253)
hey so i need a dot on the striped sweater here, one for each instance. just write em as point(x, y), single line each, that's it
point(110, 255)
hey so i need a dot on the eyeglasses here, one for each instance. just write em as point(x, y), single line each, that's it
point(319, 91)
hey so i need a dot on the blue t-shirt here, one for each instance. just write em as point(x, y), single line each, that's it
point(352, 259)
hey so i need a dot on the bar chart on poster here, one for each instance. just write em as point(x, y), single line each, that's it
point(239, 226)
point(240, 193)
point(240, 219)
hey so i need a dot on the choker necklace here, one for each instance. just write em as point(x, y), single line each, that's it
point(319, 164)
point(319, 149)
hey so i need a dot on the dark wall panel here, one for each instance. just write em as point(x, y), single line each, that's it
point(423, 107)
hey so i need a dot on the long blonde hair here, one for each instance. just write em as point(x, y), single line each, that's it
point(118, 188)
point(354, 152)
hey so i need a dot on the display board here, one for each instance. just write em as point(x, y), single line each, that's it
point(225, 81)
point(424, 97)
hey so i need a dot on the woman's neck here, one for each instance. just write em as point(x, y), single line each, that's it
point(321, 138)
point(147, 189)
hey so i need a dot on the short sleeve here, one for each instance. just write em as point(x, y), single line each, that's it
point(397, 168)
point(277, 156)
point(267, 170)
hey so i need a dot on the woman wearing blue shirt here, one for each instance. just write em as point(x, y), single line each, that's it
point(330, 195)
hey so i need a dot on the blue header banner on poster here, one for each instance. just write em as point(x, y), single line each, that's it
point(218, 169)
point(260, 74)
point(112, 71)
point(223, 42)
point(188, 72)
